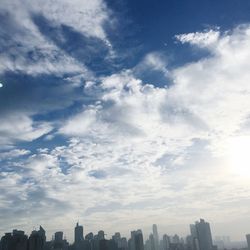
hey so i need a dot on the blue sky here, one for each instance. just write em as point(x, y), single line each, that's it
point(121, 114)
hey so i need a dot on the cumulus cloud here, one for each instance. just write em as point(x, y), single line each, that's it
point(146, 151)
point(20, 127)
point(203, 39)
point(26, 49)
point(208, 100)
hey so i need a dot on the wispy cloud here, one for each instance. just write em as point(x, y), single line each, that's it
point(128, 144)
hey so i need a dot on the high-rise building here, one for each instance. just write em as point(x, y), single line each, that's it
point(176, 239)
point(6, 241)
point(165, 242)
point(78, 233)
point(37, 239)
point(20, 240)
point(15, 241)
point(202, 237)
point(124, 243)
point(151, 242)
point(89, 236)
point(156, 237)
point(136, 242)
point(101, 235)
point(248, 241)
point(58, 243)
point(59, 236)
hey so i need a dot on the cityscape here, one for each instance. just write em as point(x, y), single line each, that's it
point(200, 238)
point(124, 124)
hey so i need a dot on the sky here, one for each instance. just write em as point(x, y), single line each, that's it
point(121, 113)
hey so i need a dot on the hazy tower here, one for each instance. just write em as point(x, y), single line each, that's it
point(248, 241)
point(156, 237)
point(78, 234)
point(203, 234)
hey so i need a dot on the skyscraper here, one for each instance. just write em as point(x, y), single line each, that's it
point(136, 242)
point(78, 234)
point(165, 242)
point(248, 241)
point(37, 239)
point(151, 242)
point(101, 235)
point(201, 234)
point(156, 237)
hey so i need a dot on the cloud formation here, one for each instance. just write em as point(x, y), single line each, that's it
point(143, 152)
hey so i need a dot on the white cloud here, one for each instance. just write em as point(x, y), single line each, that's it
point(202, 39)
point(29, 51)
point(20, 127)
point(137, 124)
point(147, 153)
point(10, 154)
point(154, 61)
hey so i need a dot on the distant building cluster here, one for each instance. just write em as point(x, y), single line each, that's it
point(200, 238)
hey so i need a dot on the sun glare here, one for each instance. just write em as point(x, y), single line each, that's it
point(239, 155)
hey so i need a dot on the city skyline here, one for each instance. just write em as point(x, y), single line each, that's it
point(121, 113)
point(82, 232)
point(199, 238)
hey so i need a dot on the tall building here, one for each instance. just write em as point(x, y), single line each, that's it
point(165, 242)
point(124, 243)
point(176, 239)
point(89, 236)
point(136, 242)
point(151, 242)
point(202, 237)
point(6, 241)
point(59, 236)
point(194, 237)
point(15, 241)
point(78, 233)
point(101, 235)
point(156, 237)
point(37, 239)
point(20, 240)
point(248, 241)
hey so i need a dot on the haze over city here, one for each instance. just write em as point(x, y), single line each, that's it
point(123, 114)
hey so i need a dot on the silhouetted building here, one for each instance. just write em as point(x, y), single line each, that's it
point(152, 242)
point(202, 237)
point(78, 233)
point(156, 237)
point(101, 235)
point(136, 242)
point(176, 239)
point(59, 243)
point(89, 236)
point(6, 241)
point(165, 242)
point(248, 241)
point(124, 243)
point(15, 241)
point(37, 239)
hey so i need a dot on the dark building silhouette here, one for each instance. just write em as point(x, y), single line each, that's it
point(156, 237)
point(248, 241)
point(78, 243)
point(101, 235)
point(165, 242)
point(89, 236)
point(6, 241)
point(37, 240)
point(78, 233)
point(202, 237)
point(136, 242)
point(60, 243)
point(15, 241)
